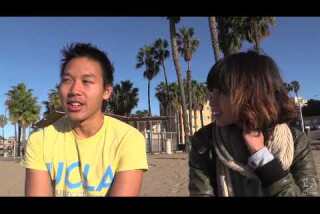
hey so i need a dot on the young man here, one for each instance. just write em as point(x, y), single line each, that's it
point(85, 153)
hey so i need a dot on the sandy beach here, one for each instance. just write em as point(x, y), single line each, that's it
point(167, 176)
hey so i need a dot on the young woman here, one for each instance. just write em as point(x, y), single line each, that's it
point(250, 149)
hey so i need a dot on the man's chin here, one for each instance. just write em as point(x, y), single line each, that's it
point(75, 118)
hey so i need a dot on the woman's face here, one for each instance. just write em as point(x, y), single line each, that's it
point(221, 108)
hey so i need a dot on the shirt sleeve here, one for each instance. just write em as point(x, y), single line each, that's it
point(133, 152)
point(260, 158)
point(34, 152)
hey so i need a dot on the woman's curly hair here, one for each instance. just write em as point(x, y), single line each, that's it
point(258, 96)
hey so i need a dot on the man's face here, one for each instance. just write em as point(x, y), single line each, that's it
point(82, 90)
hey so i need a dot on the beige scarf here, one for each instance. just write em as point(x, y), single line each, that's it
point(280, 144)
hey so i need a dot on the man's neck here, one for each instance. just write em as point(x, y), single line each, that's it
point(88, 127)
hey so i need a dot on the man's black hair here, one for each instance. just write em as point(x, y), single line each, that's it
point(76, 50)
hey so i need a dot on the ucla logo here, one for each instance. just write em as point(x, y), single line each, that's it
point(104, 183)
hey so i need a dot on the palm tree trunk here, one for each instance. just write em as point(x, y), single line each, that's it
point(167, 95)
point(300, 112)
point(190, 97)
point(19, 141)
point(301, 117)
point(3, 138)
point(169, 120)
point(175, 56)
point(177, 128)
point(181, 126)
point(149, 103)
point(149, 122)
point(214, 38)
point(195, 119)
point(15, 132)
point(165, 78)
point(23, 139)
point(256, 36)
point(257, 46)
point(201, 115)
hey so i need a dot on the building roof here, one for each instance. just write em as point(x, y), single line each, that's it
point(56, 115)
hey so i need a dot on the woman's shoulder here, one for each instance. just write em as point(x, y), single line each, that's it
point(301, 140)
point(296, 133)
point(201, 138)
point(204, 132)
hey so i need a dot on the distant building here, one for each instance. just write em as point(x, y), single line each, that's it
point(175, 121)
point(7, 144)
point(301, 101)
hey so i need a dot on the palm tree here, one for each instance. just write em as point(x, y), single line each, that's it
point(175, 105)
point(13, 117)
point(146, 58)
point(124, 98)
point(162, 94)
point(195, 100)
point(187, 45)
point(161, 53)
point(232, 31)
point(175, 56)
point(3, 123)
point(143, 113)
point(53, 104)
point(296, 87)
point(214, 38)
point(230, 34)
point(23, 110)
point(200, 98)
point(257, 28)
point(288, 86)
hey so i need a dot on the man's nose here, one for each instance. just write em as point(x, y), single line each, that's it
point(75, 88)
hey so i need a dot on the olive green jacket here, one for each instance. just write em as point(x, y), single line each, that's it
point(300, 180)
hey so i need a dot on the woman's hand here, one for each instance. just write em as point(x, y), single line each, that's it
point(254, 140)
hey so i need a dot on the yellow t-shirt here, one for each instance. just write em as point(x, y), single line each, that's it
point(87, 166)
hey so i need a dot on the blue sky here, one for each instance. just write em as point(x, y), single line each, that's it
point(30, 51)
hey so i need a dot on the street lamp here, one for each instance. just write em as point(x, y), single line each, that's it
point(301, 102)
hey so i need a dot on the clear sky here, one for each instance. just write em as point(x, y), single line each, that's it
point(30, 51)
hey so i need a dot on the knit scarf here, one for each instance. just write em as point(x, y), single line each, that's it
point(280, 144)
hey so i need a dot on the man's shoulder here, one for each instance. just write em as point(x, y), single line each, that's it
point(58, 126)
point(120, 126)
point(116, 123)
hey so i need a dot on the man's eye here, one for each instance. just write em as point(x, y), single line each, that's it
point(87, 81)
point(65, 80)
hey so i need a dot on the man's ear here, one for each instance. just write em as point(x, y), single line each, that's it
point(107, 92)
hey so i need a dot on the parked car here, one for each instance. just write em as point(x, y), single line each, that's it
point(316, 127)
